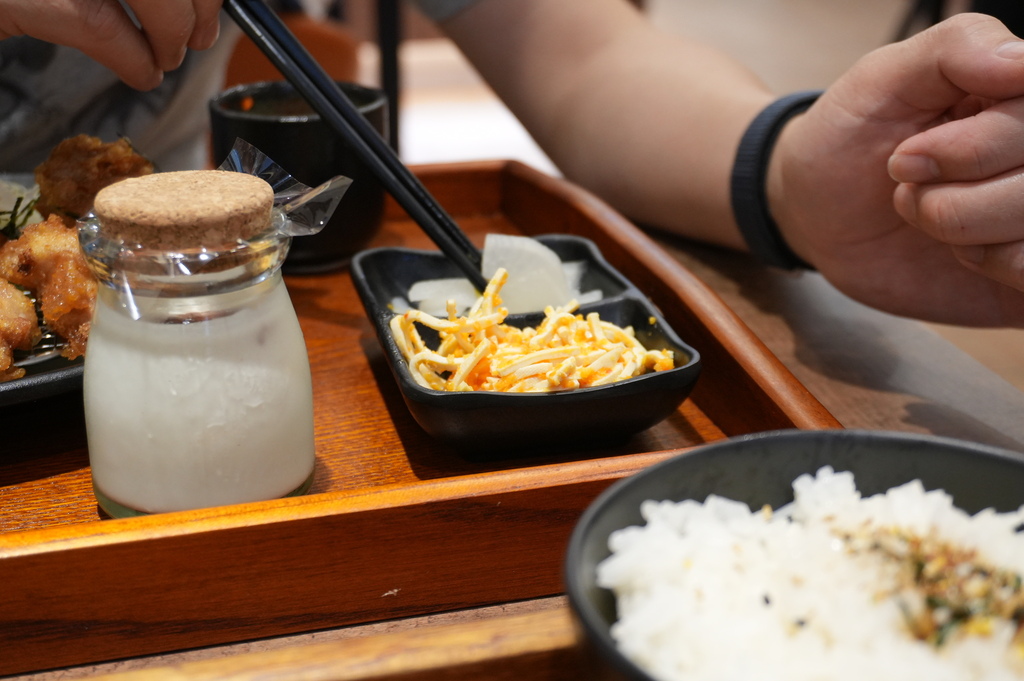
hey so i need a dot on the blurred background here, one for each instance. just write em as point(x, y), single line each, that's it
point(446, 113)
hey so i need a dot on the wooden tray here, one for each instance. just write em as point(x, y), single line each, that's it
point(396, 525)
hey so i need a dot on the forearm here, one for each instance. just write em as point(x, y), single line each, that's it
point(648, 121)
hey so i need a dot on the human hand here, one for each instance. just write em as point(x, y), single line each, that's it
point(963, 183)
point(944, 240)
point(104, 30)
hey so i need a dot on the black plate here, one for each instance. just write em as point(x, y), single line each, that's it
point(759, 469)
point(487, 425)
point(45, 379)
point(48, 377)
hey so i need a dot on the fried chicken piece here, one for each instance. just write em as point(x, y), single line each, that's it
point(79, 167)
point(19, 328)
point(48, 260)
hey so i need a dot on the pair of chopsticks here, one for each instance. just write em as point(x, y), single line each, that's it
point(288, 55)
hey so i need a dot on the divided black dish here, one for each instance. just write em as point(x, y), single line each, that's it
point(485, 425)
point(759, 469)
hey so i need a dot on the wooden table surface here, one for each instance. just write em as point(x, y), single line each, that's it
point(869, 369)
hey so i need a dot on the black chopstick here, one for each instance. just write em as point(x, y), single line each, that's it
point(265, 28)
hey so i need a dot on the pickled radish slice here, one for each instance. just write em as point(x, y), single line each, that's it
point(432, 295)
point(536, 278)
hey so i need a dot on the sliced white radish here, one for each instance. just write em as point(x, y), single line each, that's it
point(573, 270)
point(399, 305)
point(535, 275)
point(537, 278)
point(439, 288)
point(432, 295)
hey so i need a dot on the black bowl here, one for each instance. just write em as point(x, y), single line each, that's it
point(759, 469)
point(272, 117)
point(487, 425)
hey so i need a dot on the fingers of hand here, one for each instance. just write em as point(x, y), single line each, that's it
point(979, 222)
point(966, 213)
point(1002, 262)
point(207, 24)
point(139, 44)
point(976, 53)
point(139, 40)
point(168, 25)
point(966, 150)
point(99, 28)
point(933, 71)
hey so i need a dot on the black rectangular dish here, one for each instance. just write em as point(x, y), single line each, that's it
point(484, 425)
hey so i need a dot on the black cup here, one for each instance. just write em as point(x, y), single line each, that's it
point(275, 119)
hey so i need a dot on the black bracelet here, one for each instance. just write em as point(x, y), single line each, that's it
point(439, 10)
point(749, 194)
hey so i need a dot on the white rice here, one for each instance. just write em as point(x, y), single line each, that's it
point(716, 591)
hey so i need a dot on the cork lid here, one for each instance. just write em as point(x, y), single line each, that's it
point(185, 209)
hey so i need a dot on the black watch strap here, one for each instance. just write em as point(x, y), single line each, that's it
point(748, 192)
point(439, 10)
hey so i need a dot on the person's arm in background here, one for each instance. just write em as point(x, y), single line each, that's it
point(645, 120)
point(139, 52)
point(651, 122)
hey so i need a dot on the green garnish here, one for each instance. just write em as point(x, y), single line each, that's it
point(12, 221)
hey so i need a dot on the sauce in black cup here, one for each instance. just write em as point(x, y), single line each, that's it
point(275, 119)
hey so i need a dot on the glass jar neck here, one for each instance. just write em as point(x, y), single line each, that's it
point(135, 271)
point(193, 309)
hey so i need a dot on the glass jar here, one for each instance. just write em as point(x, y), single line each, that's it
point(197, 385)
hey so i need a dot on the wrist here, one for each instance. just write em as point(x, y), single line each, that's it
point(752, 187)
point(787, 204)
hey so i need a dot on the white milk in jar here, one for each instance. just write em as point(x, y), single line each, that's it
point(197, 384)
